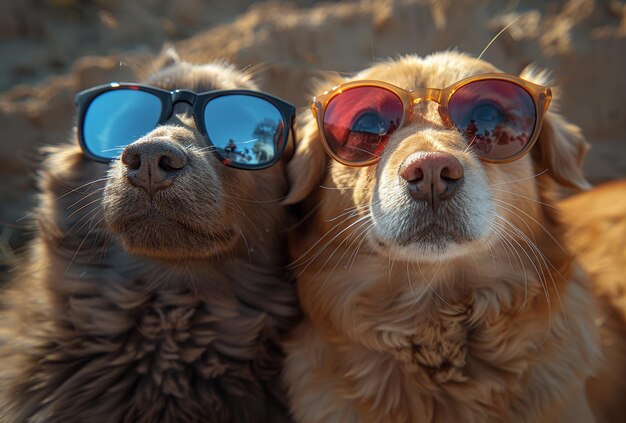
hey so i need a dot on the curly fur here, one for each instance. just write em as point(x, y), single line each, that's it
point(172, 317)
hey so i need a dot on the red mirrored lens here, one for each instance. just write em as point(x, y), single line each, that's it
point(358, 122)
point(497, 117)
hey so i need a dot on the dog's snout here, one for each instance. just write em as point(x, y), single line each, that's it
point(153, 164)
point(432, 176)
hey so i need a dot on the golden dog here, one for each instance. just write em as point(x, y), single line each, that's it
point(151, 300)
point(596, 231)
point(470, 310)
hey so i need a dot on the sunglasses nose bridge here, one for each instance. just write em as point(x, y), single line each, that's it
point(183, 102)
point(420, 95)
point(185, 96)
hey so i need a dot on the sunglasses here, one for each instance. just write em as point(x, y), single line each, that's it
point(247, 129)
point(499, 115)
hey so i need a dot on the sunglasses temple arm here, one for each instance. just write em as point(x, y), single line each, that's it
point(293, 134)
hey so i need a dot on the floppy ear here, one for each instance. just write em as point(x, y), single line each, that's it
point(307, 166)
point(561, 147)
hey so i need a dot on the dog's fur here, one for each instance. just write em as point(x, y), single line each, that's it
point(596, 230)
point(167, 307)
point(473, 312)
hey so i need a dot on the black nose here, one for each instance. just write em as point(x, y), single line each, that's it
point(432, 176)
point(153, 164)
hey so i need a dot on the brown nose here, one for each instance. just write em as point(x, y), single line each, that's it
point(432, 176)
point(153, 164)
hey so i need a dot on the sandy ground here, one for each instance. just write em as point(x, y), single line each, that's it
point(52, 49)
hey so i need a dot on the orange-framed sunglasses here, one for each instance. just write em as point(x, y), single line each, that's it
point(499, 114)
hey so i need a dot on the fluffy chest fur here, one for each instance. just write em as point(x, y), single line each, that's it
point(494, 352)
point(135, 342)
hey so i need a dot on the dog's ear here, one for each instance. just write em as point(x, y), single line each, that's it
point(167, 57)
point(307, 166)
point(562, 150)
point(561, 146)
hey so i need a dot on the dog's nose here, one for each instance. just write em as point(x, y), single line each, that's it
point(432, 176)
point(152, 164)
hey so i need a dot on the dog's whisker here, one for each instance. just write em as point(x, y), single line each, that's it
point(505, 242)
point(469, 144)
point(251, 199)
point(538, 270)
point(363, 151)
point(320, 251)
point(489, 246)
point(505, 206)
point(330, 241)
point(364, 236)
point(356, 235)
point(118, 148)
point(354, 209)
point(268, 212)
point(85, 238)
point(547, 263)
point(247, 247)
point(351, 235)
point(424, 291)
point(527, 198)
point(500, 234)
point(499, 237)
point(336, 188)
point(81, 208)
point(434, 291)
point(547, 232)
point(518, 180)
point(390, 263)
point(73, 190)
point(93, 212)
point(408, 278)
point(83, 198)
point(520, 263)
point(320, 240)
point(245, 216)
point(492, 41)
point(323, 266)
point(350, 214)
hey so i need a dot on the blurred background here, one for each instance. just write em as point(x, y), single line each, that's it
point(50, 49)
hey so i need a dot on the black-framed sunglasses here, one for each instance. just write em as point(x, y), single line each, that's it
point(247, 129)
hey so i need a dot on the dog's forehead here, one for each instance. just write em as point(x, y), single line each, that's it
point(200, 78)
point(435, 71)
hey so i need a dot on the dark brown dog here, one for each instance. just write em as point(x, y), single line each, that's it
point(136, 305)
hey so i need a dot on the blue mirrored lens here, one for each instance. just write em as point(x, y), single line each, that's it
point(244, 129)
point(117, 118)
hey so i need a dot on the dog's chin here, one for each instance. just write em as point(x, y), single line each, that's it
point(429, 245)
point(166, 239)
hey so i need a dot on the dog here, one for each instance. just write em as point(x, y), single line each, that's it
point(151, 305)
point(596, 231)
point(459, 305)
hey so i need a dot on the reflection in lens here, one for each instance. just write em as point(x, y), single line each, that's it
point(358, 122)
point(244, 129)
point(497, 117)
point(117, 118)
